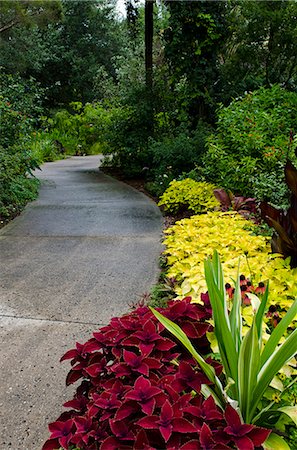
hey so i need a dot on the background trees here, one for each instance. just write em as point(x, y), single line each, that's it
point(148, 89)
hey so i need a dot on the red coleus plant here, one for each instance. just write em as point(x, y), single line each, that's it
point(141, 391)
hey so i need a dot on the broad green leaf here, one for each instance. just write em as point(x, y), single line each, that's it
point(183, 338)
point(275, 442)
point(279, 357)
point(291, 411)
point(248, 367)
point(222, 327)
point(278, 332)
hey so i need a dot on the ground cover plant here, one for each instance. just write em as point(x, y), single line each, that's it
point(189, 195)
point(191, 240)
point(139, 389)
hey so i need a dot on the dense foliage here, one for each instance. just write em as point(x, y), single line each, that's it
point(81, 53)
point(20, 104)
point(189, 195)
point(191, 240)
point(254, 137)
point(134, 394)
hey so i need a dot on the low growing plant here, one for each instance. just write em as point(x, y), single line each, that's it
point(190, 195)
point(192, 240)
point(248, 366)
point(140, 390)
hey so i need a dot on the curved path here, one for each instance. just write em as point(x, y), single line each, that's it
point(77, 256)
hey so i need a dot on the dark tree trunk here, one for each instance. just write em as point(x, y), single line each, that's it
point(149, 32)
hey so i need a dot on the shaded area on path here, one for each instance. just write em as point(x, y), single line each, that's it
point(73, 259)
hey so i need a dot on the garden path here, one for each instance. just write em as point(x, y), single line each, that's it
point(74, 258)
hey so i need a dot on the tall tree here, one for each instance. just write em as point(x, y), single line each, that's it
point(193, 40)
point(262, 46)
point(132, 19)
point(28, 12)
point(149, 34)
point(66, 53)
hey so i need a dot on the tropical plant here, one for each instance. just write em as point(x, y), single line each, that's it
point(229, 202)
point(249, 367)
point(189, 195)
point(284, 240)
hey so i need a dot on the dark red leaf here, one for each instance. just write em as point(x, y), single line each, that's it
point(258, 435)
point(244, 443)
point(73, 376)
point(51, 444)
point(183, 426)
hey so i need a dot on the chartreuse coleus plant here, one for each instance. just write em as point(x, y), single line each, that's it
point(249, 366)
point(191, 240)
point(189, 194)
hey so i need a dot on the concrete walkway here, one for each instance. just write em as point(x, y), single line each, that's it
point(77, 256)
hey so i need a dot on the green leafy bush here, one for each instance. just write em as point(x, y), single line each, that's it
point(189, 195)
point(126, 138)
point(20, 105)
point(80, 130)
point(45, 148)
point(255, 136)
point(178, 153)
point(16, 187)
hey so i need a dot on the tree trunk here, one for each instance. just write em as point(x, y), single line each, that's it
point(148, 40)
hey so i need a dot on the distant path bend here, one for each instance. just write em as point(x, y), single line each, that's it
point(73, 259)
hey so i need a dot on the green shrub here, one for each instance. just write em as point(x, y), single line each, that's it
point(16, 186)
point(81, 130)
point(255, 136)
point(178, 153)
point(44, 148)
point(20, 105)
point(126, 137)
point(189, 195)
